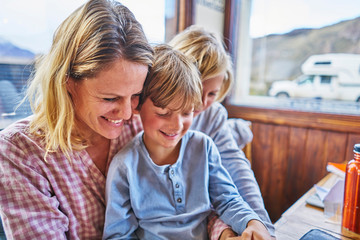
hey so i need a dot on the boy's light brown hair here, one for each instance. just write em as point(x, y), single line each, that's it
point(173, 77)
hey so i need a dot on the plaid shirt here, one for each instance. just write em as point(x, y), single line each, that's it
point(215, 226)
point(56, 199)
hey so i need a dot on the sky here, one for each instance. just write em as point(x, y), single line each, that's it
point(30, 24)
point(281, 16)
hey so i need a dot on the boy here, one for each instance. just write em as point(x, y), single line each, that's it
point(163, 184)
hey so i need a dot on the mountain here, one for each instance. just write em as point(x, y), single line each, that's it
point(283, 54)
point(7, 49)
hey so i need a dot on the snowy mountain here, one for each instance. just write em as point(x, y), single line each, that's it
point(7, 49)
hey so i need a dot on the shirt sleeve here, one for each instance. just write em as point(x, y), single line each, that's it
point(29, 209)
point(120, 220)
point(224, 196)
point(213, 123)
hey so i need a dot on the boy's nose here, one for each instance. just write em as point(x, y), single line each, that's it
point(176, 122)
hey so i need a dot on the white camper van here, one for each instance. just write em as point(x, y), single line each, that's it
point(327, 76)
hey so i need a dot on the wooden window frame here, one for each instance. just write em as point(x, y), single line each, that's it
point(183, 17)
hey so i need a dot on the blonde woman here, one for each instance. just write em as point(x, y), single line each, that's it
point(53, 164)
point(215, 67)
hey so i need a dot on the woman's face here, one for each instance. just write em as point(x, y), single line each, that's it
point(102, 103)
point(211, 89)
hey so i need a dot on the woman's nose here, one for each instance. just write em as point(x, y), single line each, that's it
point(124, 109)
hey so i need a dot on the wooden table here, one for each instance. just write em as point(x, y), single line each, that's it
point(302, 217)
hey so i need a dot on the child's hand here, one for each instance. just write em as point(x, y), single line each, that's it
point(255, 230)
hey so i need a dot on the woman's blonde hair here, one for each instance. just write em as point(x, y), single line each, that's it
point(87, 42)
point(209, 55)
point(173, 78)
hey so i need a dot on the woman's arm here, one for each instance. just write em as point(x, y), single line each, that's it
point(29, 209)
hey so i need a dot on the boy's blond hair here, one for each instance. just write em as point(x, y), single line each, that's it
point(208, 53)
point(173, 77)
point(90, 40)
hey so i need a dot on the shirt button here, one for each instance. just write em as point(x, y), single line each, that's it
point(172, 172)
point(177, 185)
point(179, 200)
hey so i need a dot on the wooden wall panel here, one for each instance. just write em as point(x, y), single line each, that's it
point(352, 140)
point(279, 167)
point(336, 143)
point(261, 149)
point(296, 167)
point(315, 149)
point(290, 150)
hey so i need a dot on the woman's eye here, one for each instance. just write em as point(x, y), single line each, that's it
point(212, 94)
point(110, 99)
point(135, 95)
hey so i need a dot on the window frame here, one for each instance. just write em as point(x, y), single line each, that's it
point(231, 34)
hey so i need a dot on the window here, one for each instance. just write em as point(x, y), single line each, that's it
point(306, 80)
point(325, 79)
point(27, 28)
point(290, 51)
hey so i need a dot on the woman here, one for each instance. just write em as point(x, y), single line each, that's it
point(53, 163)
point(215, 68)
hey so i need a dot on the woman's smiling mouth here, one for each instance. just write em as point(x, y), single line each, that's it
point(113, 120)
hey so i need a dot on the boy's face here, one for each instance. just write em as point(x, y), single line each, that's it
point(211, 89)
point(164, 127)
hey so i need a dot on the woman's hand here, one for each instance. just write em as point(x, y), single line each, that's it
point(255, 230)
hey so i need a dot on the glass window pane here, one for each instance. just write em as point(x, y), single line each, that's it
point(151, 14)
point(304, 50)
point(325, 79)
point(26, 29)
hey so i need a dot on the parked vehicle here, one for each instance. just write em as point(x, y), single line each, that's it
point(326, 76)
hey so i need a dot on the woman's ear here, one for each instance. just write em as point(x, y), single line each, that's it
point(70, 86)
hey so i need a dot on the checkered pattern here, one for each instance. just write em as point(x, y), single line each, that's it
point(215, 226)
point(57, 199)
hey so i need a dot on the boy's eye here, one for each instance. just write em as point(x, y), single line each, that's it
point(188, 113)
point(162, 114)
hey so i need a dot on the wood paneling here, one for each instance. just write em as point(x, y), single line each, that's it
point(186, 13)
point(290, 150)
point(297, 166)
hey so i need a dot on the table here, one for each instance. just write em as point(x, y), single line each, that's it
point(302, 217)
